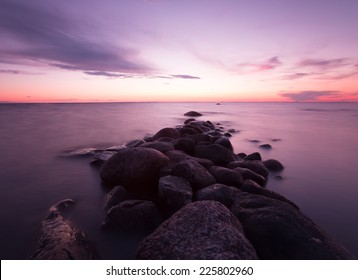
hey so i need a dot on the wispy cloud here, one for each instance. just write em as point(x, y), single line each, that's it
point(17, 72)
point(254, 67)
point(183, 76)
point(324, 63)
point(108, 74)
point(310, 95)
point(36, 35)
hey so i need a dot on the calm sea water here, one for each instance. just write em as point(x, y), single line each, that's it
point(318, 147)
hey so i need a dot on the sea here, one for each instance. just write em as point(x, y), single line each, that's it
point(316, 142)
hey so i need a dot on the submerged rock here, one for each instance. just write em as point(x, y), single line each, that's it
point(265, 146)
point(273, 165)
point(200, 230)
point(60, 240)
point(192, 114)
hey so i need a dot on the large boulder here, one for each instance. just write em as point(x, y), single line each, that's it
point(279, 231)
point(254, 165)
point(116, 196)
point(218, 192)
point(184, 144)
point(60, 240)
point(132, 215)
point(175, 191)
point(200, 230)
point(216, 153)
point(223, 141)
point(167, 132)
point(226, 176)
point(192, 114)
point(248, 174)
point(178, 156)
point(273, 165)
point(197, 175)
point(159, 146)
point(136, 169)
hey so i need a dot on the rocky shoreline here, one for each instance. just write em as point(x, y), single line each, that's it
point(194, 198)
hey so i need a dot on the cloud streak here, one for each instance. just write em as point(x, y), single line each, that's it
point(310, 95)
point(324, 63)
point(35, 35)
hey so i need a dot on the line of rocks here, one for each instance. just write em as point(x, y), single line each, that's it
point(194, 198)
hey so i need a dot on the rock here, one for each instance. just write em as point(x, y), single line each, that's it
point(249, 174)
point(175, 191)
point(167, 132)
point(136, 169)
point(279, 231)
point(253, 156)
point(252, 187)
point(255, 166)
point(188, 131)
point(200, 230)
point(275, 139)
point(178, 156)
point(227, 134)
point(199, 138)
point(278, 178)
point(117, 195)
point(226, 176)
point(60, 240)
point(241, 155)
point(164, 139)
point(101, 157)
point(82, 152)
point(265, 146)
point(232, 130)
point(192, 114)
point(217, 192)
point(254, 141)
point(184, 144)
point(216, 153)
point(116, 148)
point(273, 165)
point(189, 120)
point(132, 215)
point(148, 138)
point(198, 176)
point(223, 141)
point(215, 134)
point(135, 143)
point(159, 146)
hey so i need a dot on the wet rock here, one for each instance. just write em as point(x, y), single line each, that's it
point(192, 114)
point(198, 176)
point(199, 138)
point(136, 169)
point(279, 231)
point(189, 120)
point(223, 141)
point(164, 139)
point(241, 155)
point(82, 152)
point(275, 139)
point(215, 133)
point(255, 166)
point(248, 174)
point(226, 176)
point(135, 143)
point(232, 130)
point(253, 188)
point(159, 146)
point(227, 134)
point(188, 131)
point(148, 138)
point(167, 132)
point(117, 195)
point(101, 157)
point(265, 146)
point(178, 156)
point(218, 192)
point(175, 191)
point(184, 144)
point(200, 230)
point(216, 153)
point(254, 141)
point(253, 156)
point(116, 148)
point(278, 178)
point(131, 215)
point(62, 241)
point(273, 165)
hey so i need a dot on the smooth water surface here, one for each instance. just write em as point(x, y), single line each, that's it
point(318, 146)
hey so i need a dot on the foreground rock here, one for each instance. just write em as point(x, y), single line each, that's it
point(137, 169)
point(279, 231)
point(200, 230)
point(60, 240)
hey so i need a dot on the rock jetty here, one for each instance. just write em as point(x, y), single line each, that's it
point(196, 198)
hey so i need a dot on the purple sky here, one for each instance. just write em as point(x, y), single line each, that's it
point(166, 50)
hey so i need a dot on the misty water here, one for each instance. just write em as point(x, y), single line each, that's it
point(318, 147)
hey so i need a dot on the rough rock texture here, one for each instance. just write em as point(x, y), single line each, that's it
point(279, 231)
point(198, 176)
point(217, 192)
point(159, 146)
point(116, 196)
point(253, 165)
point(216, 153)
point(226, 176)
point(223, 141)
point(273, 165)
point(133, 215)
point(248, 174)
point(178, 156)
point(167, 132)
point(136, 169)
point(60, 240)
point(200, 230)
point(175, 191)
point(184, 144)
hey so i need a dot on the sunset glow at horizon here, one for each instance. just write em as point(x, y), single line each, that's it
point(179, 51)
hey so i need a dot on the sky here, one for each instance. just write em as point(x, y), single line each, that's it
point(178, 50)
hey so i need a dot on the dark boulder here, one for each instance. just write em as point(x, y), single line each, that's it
point(199, 137)
point(131, 215)
point(187, 131)
point(249, 174)
point(189, 120)
point(175, 191)
point(216, 153)
point(178, 156)
point(218, 192)
point(279, 231)
point(197, 175)
point(135, 143)
point(116, 196)
point(223, 141)
point(101, 157)
point(252, 187)
point(167, 132)
point(273, 165)
point(184, 144)
point(226, 176)
point(159, 146)
point(265, 146)
point(62, 241)
point(253, 156)
point(136, 169)
point(200, 230)
point(192, 114)
point(255, 166)
point(164, 139)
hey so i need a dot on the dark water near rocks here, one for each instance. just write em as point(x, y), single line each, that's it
point(318, 146)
